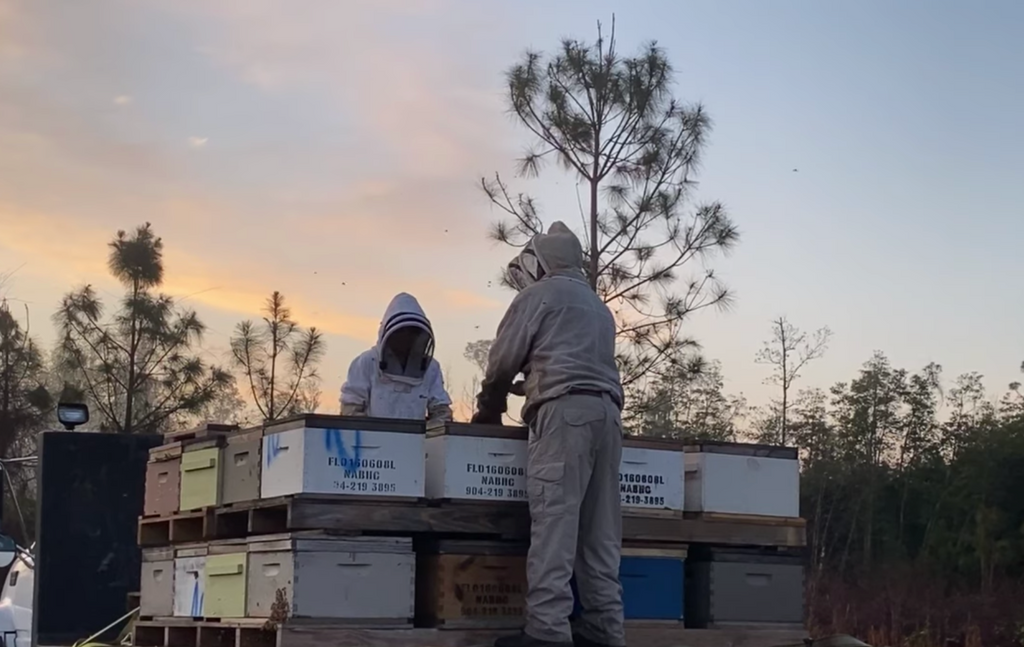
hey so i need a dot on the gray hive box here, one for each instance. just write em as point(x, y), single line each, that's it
point(736, 587)
point(240, 466)
point(356, 579)
point(156, 590)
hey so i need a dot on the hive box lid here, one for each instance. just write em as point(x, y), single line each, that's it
point(185, 551)
point(362, 423)
point(160, 554)
point(477, 431)
point(205, 430)
point(663, 444)
point(196, 444)
point(318, 542)
point(740, 449)
point(172, 450)
point(167, 452)
point(246, 435)
point(227, 546)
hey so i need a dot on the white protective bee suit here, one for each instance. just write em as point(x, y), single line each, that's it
point(378, 385)
point(561, 336)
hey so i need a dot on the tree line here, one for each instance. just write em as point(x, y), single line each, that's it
point(138, 362)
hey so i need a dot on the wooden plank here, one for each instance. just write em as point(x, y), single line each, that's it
point(759, 519)
point(483, 519)
point(647, 635)
point(512, 521)
point(251, 632)
point(745, 530)
point(507, 520)
point(630, 511)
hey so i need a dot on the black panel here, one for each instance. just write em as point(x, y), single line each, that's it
point(91, 490)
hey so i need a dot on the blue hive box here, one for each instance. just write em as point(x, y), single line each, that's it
point(652, 584)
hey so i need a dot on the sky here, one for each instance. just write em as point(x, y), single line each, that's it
point(333, 151)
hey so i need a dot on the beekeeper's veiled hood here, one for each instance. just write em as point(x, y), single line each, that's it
point(403, 312)
point(557, 252)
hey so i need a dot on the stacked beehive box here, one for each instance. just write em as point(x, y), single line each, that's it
point(358, 525)
point(737, 584)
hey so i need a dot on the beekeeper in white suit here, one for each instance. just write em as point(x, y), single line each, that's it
point(561, 337)
point(399, 377)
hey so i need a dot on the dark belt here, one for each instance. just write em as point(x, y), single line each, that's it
point(596, 394)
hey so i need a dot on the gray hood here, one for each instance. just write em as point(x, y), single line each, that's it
point(557, 332)
point(556, 253)
point(404, 311)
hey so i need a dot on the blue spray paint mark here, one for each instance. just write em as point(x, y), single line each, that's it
point(271, 448)
point(197, 599)
point(334, 443)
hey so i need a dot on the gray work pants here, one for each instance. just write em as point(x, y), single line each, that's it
point(572, 478)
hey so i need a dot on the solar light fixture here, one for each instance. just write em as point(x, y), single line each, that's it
point(71, 415)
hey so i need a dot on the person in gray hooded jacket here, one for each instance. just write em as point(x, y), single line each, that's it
point(560, 335)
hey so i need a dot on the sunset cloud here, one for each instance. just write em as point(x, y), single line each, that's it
point(307, 149)
point(78, 256)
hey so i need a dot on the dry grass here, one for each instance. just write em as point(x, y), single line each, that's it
point(900, 608)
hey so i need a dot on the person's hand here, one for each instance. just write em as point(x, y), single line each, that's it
point(485, 417)
point(518, 388)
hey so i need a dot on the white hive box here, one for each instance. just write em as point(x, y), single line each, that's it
point(476, 462)
point(357, 579)
point(189, 580)
point(738, 478)
point(364, 457)
point(651, 475)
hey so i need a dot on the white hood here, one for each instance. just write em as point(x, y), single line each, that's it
point(404, 311)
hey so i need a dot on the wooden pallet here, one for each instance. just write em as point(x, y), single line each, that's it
point(177, 528)
point(253, 633)
point(746, 530)
point(241, 632)
point(380, 515)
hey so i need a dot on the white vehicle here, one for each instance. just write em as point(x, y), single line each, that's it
point(19, 587)
point(16, 603)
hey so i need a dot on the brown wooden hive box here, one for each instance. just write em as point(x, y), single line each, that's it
point(163, 480)
point(471, 584)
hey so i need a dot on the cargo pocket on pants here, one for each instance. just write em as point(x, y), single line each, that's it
point(545, 487)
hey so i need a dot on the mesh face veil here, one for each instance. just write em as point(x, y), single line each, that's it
point(525, 270)
point(421, 346)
